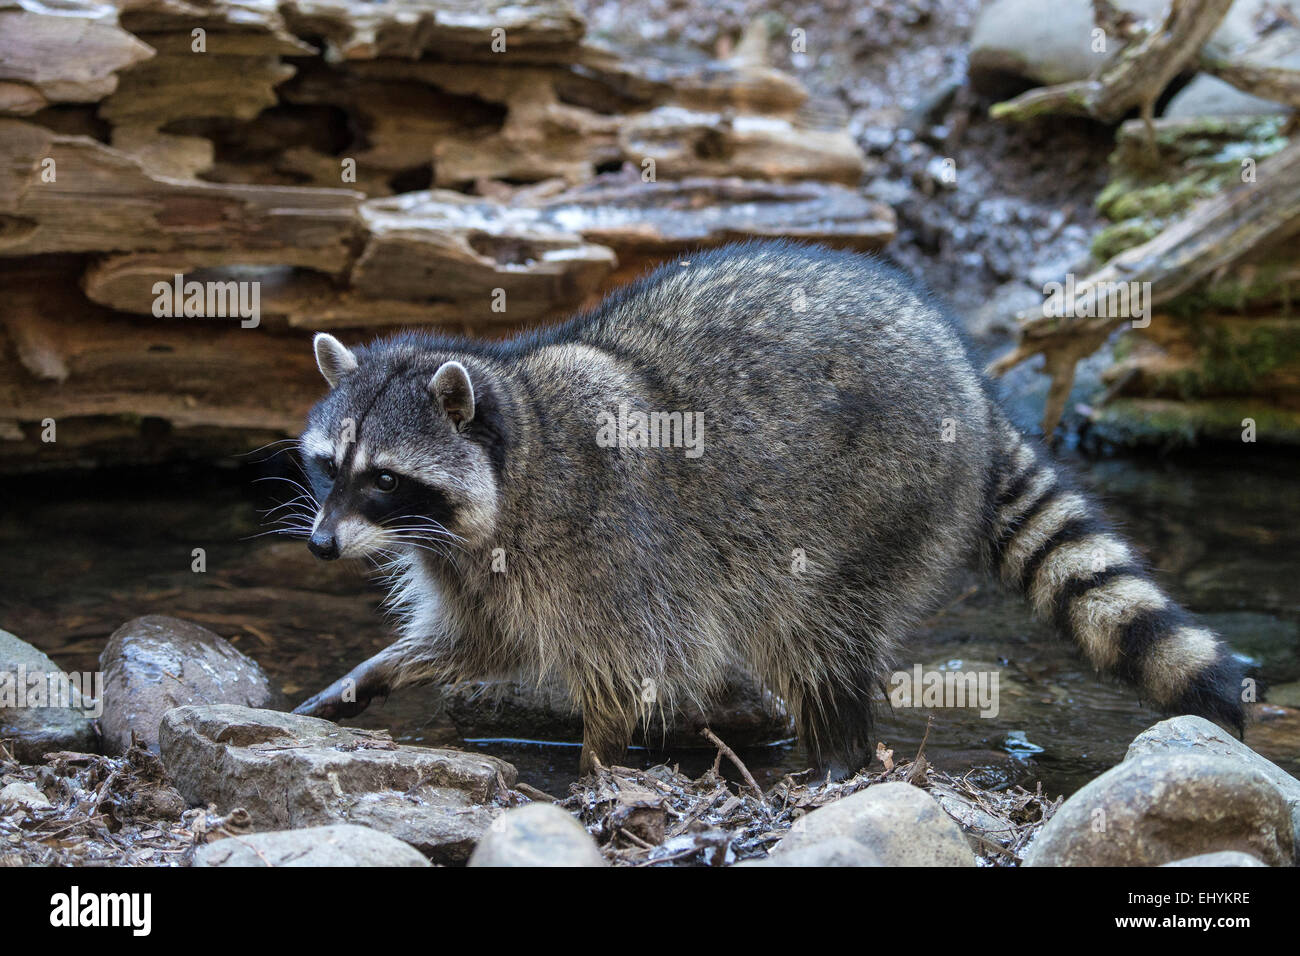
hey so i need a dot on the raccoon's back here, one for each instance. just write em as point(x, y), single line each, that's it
point(826, 384)
point(782, 326)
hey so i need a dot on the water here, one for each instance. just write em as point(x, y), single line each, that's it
point(82, 553)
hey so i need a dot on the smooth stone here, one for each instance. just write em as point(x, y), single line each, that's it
point(901, 824)
point(1196, 735)
point(1208, 95)
point(537, 834)
point(1046, 43)
point(32, 732)
point(23, 795)
point(1224, 858)
point(833, 851)
point(1051, 41)
point(1158, 808)
point(291, 771)
point(154, 663)
point(343, 844)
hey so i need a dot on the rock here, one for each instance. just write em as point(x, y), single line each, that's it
point(23, 795)
point(1196, 735)
point(835, 851)
point(343, 844)
point(538, 834)
point(1225, 858)
point(290, 771)
point(976, 823)
point(901, 824)
point(1157, 808)
point(1287, 695)
point(1210, 96)
point(35, 729)
point(1017, 38)
point(154, 663)
point(744, 715)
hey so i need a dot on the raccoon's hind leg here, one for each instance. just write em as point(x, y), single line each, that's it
point(606, 735)
point(832, 710)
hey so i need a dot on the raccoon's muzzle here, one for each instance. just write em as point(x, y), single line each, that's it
point(324, 544)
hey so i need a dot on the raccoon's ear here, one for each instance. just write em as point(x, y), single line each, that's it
point(333, 358)
point(454, 392)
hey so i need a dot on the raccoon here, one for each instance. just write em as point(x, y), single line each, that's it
point(850, 457)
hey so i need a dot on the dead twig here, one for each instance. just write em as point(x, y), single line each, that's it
point(714, 739)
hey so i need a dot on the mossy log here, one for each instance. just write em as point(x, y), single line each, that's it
point(1214, 235)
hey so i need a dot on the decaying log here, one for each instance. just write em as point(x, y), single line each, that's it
point(69, 52)
point(95, 198)
point(455, 29)
point(362, 166)
point(1137, 77)
point(101, 378)
point(1216, 233)
point(1278, 83)
point(439, 256)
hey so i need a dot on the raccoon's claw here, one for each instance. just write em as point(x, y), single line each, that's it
point(344, 698)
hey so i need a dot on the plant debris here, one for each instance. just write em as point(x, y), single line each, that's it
point(82, 809)
point(661, 817)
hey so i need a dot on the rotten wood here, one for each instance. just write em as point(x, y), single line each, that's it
point(1214, 235)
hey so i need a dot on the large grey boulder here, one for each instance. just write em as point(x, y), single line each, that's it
point(833, 851)
point(1045, 41)
point(36, 728)
point(1051, 41)
point(343, 844)
point(900, 824)
point(1208, 95)
point(1196, 735)
point(291, 771)
point(1224, 858)
point(154, 663)
point(538, 834)
point(1156, 809)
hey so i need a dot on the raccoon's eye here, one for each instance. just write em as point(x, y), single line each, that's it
point(331, 470)
point(385, 481)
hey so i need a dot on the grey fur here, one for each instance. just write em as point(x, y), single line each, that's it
point(822, 518)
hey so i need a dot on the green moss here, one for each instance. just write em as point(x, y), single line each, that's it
point(1110, 241)
point(1162, 199)
point(1229, 361)
point(1155, 422)
point(1198, 159)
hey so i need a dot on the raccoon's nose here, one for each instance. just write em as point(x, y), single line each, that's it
point(324, 545)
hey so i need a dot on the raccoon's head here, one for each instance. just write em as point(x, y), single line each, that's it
point(396, 454)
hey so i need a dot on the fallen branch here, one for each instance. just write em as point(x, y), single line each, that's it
point(1215, 233)
point(1278, 83)
point(1138, 76)
point(714, 739)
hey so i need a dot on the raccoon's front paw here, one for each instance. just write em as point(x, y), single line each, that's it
point(344, 698)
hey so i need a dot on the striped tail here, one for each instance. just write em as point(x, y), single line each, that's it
point(1051, 544)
